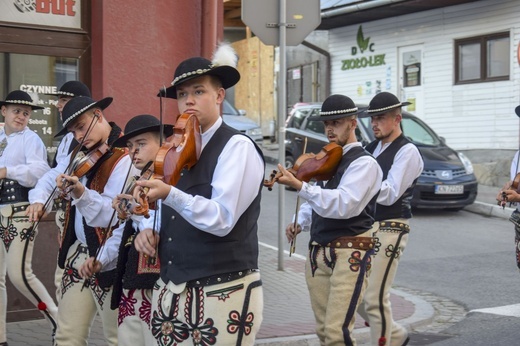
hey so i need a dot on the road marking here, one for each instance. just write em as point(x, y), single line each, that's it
point(285, 251)
point(507, 310)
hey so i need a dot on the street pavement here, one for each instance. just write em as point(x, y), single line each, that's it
point(288, 318)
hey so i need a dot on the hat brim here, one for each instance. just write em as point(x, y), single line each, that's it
point(368, 114)
point(33, 107)
point(104, 103)
point(121, 141)
point(337, 116)
point(517, 111)
point(228, 75)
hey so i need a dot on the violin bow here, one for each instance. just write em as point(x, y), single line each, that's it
point(41, 304)
point(152, 259)
point(73, 157)
point(292, 249)
point(108, 228)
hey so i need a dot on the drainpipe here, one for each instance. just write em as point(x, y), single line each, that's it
point(357, 7)
point(209, 27)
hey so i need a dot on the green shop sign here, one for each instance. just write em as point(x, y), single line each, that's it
point(365, 61)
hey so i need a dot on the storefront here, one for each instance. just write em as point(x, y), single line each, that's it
point(39, 48)
point(127, 49)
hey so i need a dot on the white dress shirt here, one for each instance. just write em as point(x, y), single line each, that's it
point(63, 148)
point(407, 166)
point(236, 182)
point(96, 208)
point(110, 250)
point(24, 157)
point(358, 185)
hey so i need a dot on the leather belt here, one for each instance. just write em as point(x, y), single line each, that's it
point(220, 278)
point(12, 192)
point(392, 226)
point(359, 243)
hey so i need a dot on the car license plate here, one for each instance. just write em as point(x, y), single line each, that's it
point(449, 189)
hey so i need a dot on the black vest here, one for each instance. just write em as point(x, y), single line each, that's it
point(325, 230)
point(131, 273)
point(92, 235)
point(187, 253)
point(401, 208)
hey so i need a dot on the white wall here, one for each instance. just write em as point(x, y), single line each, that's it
point(472, 116)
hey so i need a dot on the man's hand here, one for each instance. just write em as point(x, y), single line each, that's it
point(70, 184)
point(511, 196)
point(90, 267)
point(35, 212)
point(154, 189)
point(146, 242)
point(291, 232)
point(289, 179)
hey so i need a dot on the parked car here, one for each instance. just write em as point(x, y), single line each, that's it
point(447, 180)
point(237, 120)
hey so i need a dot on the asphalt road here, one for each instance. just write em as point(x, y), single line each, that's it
point(462, 256)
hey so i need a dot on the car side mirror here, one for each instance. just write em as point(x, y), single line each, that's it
point(242, 112)
point(443, 140)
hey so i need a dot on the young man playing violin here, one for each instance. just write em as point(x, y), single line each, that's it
point(23, 160)
point(135, 275)
point(67, 91)
point(339, 214)
point(88, 185)
point(208, 246)
point(509, 194)
point(402, 164)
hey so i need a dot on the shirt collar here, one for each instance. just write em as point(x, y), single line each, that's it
point(2, 132)
point(349, 146)
point(206, 136)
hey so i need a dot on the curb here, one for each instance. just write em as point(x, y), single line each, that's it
point(488, 209)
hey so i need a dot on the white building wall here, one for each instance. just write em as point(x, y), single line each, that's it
point(471, 116)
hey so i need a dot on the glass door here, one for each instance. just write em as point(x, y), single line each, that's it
point(39, 75)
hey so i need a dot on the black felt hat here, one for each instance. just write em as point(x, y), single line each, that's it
point(222, 66)
point(517, 111)
point(382, 103)
point(77, 106)
point(337, 107)
point(73, 88)
point(141, 124)
point(19, 97)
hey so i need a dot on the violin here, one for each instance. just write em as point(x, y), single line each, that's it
point(142, 207)
point(321, 166)
point(515, 186)
point(82, 163)
point(182, 152)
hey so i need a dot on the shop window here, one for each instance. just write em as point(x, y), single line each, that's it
point(39, 75)
point(482, 59)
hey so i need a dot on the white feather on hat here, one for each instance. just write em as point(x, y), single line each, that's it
point(224, 55)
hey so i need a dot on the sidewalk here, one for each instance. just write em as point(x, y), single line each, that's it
point(288, 318)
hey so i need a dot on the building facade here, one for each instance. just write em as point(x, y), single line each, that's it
point(127, 49)
point(458, 65)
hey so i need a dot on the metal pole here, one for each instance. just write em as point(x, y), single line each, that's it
point(281, 129)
